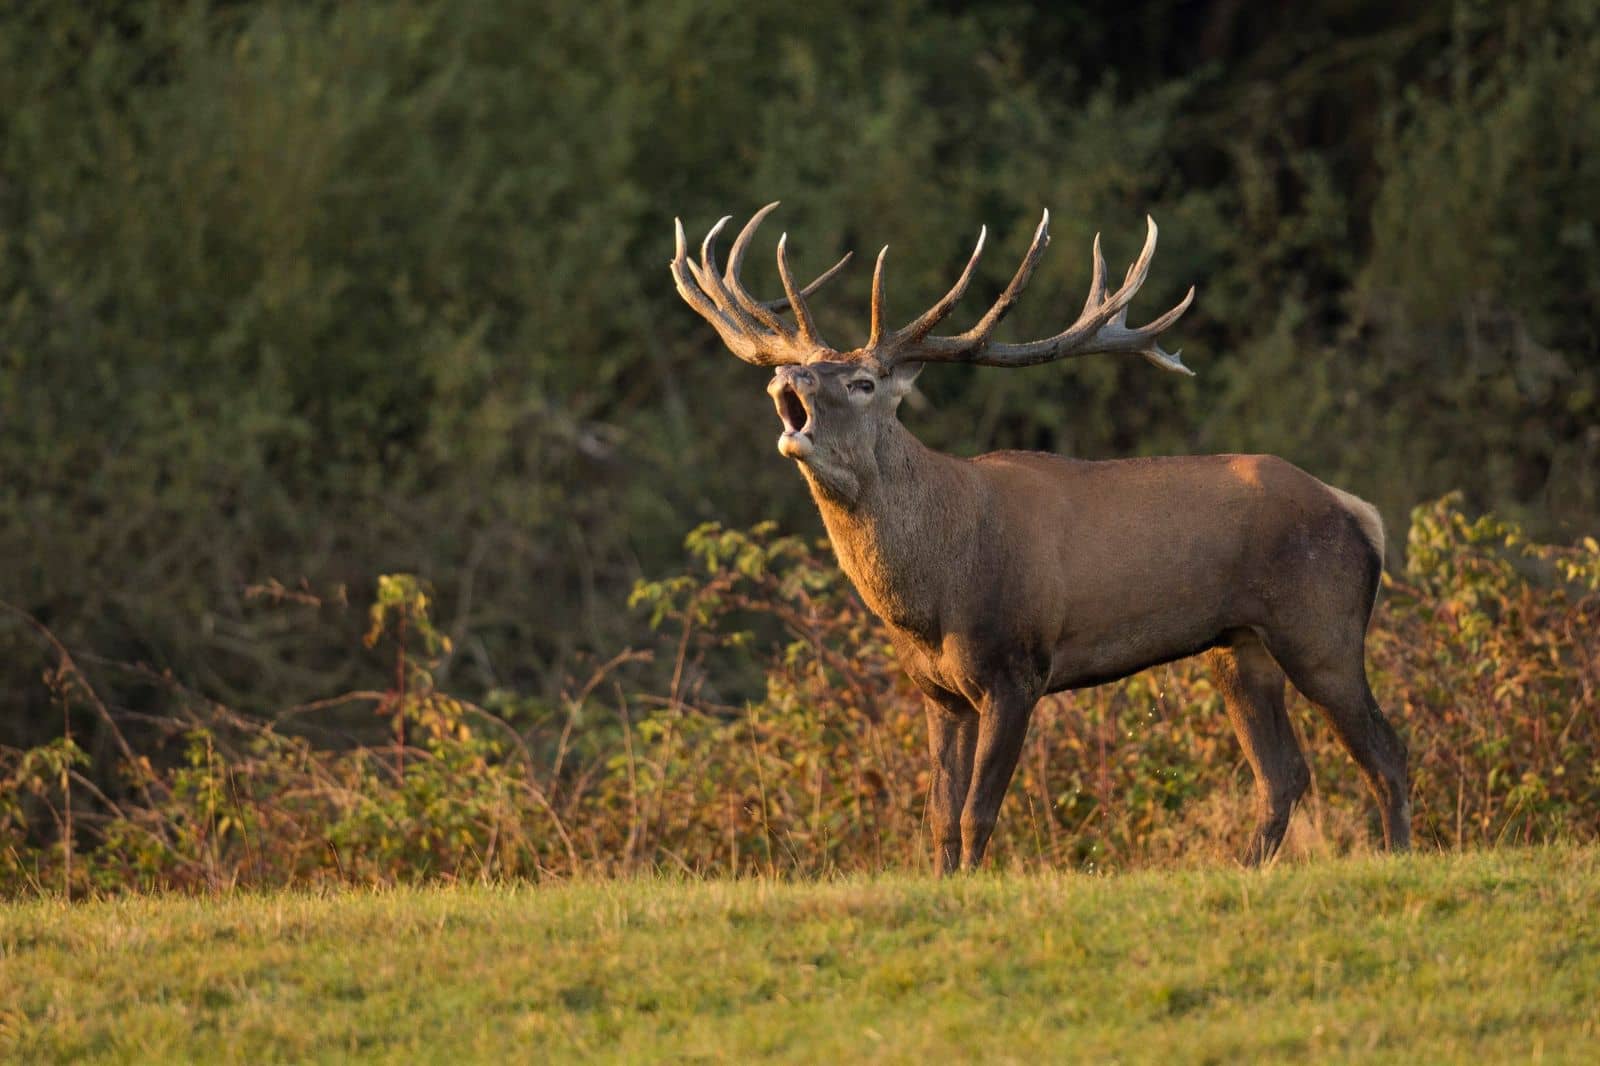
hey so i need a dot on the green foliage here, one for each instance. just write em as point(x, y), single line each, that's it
point(335, 290)
point(1482, 653)
point(1484, 241)
point(1483, 559)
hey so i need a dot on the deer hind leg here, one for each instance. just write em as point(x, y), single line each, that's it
point(1334, 679)
point(1252, 689)
point(1002, 728)
point(952, 742)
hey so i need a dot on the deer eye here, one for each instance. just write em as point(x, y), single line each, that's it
point(861, 385)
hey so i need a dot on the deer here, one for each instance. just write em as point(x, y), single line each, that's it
point(1014, 575)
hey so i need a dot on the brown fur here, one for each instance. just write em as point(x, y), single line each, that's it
point(1013, 575)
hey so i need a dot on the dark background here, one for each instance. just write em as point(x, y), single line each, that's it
point(320, 291)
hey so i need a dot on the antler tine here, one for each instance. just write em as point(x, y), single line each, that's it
point(875, 334)
point(797, 302)
point(742, 242)
point(765, 310)
point(704, 287)
point(1150, 330)
point(702, 290)
point(730, 277)
point(1099, 311)
point(691, 291)
point(1137, 272)
point(1161, 324)
point(1101, 327)
point(934, 315)
point(1097, 281)
point(782, 302)
point(708, 247)
point(713, 285)
point(979, 334)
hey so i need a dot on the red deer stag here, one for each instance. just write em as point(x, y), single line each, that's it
point(1016, 574)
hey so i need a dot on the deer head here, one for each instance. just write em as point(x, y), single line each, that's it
point(835, 404)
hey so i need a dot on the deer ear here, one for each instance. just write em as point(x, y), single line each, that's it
point(903, 378)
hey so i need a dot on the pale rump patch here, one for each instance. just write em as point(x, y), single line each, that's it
point(1366, 516)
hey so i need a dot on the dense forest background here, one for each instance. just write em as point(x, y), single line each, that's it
point(313, 292)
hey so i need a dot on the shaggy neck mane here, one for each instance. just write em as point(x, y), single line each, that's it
point(909, 518)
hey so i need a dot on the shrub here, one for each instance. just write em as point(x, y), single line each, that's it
point(338, 289)
point(1482, 652)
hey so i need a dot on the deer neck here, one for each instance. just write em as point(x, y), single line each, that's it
point(897, 526)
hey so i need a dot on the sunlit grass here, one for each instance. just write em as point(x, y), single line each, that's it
point(1479, 956)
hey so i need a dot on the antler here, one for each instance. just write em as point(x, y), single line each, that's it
point(1101, 327)
point(749, 327)
point(753, 331)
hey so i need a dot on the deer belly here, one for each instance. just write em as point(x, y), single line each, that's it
point(1084, 660)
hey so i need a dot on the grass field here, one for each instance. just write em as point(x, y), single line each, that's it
point(1489, 956)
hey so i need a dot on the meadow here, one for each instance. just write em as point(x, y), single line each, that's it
point(1482, 956)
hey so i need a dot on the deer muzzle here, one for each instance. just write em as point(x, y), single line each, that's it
point(793, 390)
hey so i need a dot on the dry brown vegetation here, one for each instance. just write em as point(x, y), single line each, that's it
point(1483, 650)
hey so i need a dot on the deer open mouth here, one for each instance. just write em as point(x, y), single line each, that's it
point(795, 442)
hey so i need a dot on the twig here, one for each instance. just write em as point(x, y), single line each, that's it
point(70, 667)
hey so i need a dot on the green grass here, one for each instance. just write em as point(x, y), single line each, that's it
point(1489, 956)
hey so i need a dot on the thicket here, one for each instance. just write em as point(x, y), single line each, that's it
point(1483, 651)
point(324, 291)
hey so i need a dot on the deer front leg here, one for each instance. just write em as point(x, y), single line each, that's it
point(952, 742)
point(1002, 727)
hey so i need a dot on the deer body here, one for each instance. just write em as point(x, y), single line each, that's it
point(1017, 574)
point(1095, 554)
